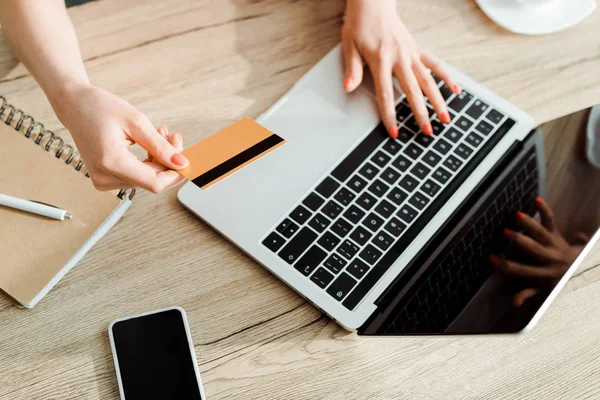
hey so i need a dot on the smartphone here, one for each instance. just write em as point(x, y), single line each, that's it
point(154, 356)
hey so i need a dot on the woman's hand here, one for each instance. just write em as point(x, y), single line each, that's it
point(544, 243)
point(374, 34)
point(104, 126)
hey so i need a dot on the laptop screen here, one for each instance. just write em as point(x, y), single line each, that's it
point(502, 258)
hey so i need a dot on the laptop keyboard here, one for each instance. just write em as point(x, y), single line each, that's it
point(446, 288)
point(357, 221)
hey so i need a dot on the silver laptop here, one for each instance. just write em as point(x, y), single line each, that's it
point(388, 236)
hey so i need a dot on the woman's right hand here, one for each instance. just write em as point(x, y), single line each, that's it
point(104, 126)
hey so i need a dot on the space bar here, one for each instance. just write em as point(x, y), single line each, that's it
point(398, 248)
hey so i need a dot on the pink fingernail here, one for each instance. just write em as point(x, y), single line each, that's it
point(347, 83)
point(456, 89)
point(180, 160)
point(445, 117)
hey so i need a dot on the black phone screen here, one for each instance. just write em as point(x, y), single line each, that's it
point(154, 359)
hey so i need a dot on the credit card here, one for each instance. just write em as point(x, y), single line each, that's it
point(228, 151)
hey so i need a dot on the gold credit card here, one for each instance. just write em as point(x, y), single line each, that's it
point(227, 151)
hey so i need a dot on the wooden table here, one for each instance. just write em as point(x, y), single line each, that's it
point(197, 66)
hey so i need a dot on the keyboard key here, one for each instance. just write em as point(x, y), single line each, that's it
point(360, 235)
point(441, 175)
point(274, 242)
point(413, 151)
point(360, 153)
point(397, 196)
point(442, 146)
point(430, 110)
point(402, 111)
point(341, 227)
point(390, 175)
point(378, 188)
point(369, 171)
point(321, 277)
point(420, 171)
point(392, 146)
point(424, 140)
point(328, 241)
point(335, 263)
point(431, 158)
point(341, 286)
point(332, 209)
point(357, 183)
point(474, 139)
point(408, 183)
point(370, 254)
point(297, 245)
point(438, 127)
point(453, 135)
point(464, 123)
point(404, 135)
point(348, 249)
point(357, 268)
point(494, 116)
point(477, 109)
point(313, 201)
point(459, 102)
point(385, 209)
point(300, 215)
point(373, 222)
point(383, 240)
point(407, 214)
point(402, 163)
point(395, 227)
point(287, 228)
point(366, 201)
point(463, 151)
point(430, 188)
point(319, 222)
point(411, 123)
point(484, 127)
point(446, 92)
point(419, 200)
point(381, 159)
point(354, 214)
point(327, 187)
point(453, 163)
point(310, 260)
point(344, 196)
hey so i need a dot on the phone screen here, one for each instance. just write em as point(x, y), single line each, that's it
point(154, 357)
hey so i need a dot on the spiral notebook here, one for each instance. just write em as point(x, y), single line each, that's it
point(36, 252)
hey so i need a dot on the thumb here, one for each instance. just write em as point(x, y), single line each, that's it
point(143, 133)
point(354, 66)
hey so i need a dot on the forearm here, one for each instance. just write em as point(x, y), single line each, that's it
point(42, 36)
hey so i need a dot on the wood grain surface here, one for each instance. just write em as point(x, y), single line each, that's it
point(197, 66)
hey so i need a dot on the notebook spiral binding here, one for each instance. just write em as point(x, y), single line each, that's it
point(45, 138)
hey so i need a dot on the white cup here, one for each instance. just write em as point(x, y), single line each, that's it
point(535, 2)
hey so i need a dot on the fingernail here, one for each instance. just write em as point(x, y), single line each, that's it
point(393, 131)
point(520, 302)
point(456, 89)
point(520, 215)
point(427, 129)
point(445, 117)
point(507, 233)
point(494, 260)
point(539, 201)
point(347, 83)
point(179, 159)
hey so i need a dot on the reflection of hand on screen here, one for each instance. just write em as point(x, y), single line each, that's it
point(552, 254)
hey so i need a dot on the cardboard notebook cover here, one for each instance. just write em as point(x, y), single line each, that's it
point(36, 252)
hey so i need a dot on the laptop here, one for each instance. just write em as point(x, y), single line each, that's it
point(389, 237)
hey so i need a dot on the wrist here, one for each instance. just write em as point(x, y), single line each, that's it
point(63, 92)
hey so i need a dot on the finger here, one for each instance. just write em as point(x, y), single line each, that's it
point(439, 69)
point(410, 86)
point(579, 238)
point(546, 214)
point(534, 228)
point(354, 66)
point(128, 168)
point(108, 182)
point(144, 134)
point(529, 246)
point(523, 295)
point(432, 91)
point(382, 74)
point(176, 141)
point(164, 131)
point(517, 270)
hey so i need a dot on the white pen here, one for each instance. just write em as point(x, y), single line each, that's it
point(34, 207)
